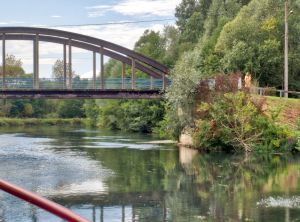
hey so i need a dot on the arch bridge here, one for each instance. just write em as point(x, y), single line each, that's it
point(69, 86)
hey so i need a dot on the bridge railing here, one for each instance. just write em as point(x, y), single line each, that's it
point(84, 83)
point(263, 91)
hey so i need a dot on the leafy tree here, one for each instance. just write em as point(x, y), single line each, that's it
point(136, 116)
point(13, 66)
point(58, 69)
point(113, 69)
point(253, 42)
point(186, 9)
point(71, 109)
point(91, 111)
point(151, 44)
point(28, 110)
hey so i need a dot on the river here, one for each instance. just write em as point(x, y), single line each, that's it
point(109, 176)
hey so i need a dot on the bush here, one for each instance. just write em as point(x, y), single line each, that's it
point(71, 109)
point(132, 115)
point(298, 132)
point(234, 121)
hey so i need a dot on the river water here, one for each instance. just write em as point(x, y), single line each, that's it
point(108, 176)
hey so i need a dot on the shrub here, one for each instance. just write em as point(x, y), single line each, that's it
point(234, 120)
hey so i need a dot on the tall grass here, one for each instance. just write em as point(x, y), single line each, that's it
point(6, 122)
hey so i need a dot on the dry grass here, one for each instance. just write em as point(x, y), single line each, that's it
point(289, 110)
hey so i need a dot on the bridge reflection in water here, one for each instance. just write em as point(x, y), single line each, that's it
point(146, 206)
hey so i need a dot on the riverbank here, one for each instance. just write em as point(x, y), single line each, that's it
point(288, 111)
point(12, 122)
point(237, 121)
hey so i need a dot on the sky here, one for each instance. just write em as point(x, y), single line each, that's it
point(57, 13)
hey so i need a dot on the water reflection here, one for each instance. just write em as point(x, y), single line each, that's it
point(106, 176)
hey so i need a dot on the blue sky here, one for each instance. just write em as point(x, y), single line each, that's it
point(45, 13)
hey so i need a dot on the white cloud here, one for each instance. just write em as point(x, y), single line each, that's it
point(136, 7)
point(12, 23)
point(56, 16)
point(124, 34)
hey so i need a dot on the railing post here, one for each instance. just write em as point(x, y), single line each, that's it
point(151, 82)
point(65, 66)
point(36, 62)
point(123, 213)
point(3, 61)
point(94, 70)
point(101, 214)
point(123, 74)
point(102, 67)
point(164, 81)
point(70, 65)
point(133, 77)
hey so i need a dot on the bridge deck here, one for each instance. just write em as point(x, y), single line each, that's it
point(22, 88)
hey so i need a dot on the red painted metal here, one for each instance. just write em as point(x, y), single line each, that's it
point(41, 202)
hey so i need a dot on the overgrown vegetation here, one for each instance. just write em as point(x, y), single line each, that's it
point(12, 122)
point(237, 121)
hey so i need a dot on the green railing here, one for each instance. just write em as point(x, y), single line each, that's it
point(80, 83)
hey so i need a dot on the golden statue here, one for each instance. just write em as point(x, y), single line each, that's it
point(248, 80)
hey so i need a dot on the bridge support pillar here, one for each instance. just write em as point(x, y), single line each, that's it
point(101, 214)
point(70, 74)
point(36, 63)
point(3, 61)
point(94, 70)
point(151, 82)
point(102, 67)
point(133, 77)
point(123, 74)
point(65, 67)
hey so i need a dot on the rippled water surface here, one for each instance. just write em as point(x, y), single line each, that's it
point(106, 176)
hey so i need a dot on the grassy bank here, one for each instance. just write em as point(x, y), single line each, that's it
point(7, 122)
point(289, 110)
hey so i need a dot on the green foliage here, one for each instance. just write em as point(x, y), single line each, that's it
point(170, 126)
point(191, 15)
point(253, 42)
point(58, 69)
point(13, 66)
point(298, 144)
point(136, 116)
point(298, 132)
point(151, 44)
point(13, 122)
point(91, 112)
point(71, 109)
point(181, 94)
point(234, 121)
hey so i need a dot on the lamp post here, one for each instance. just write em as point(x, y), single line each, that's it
point(286, 50)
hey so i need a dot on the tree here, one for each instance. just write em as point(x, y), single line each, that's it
point(191, 15)
point(91, 111)
point(58, 69)
point(253, 42)
point(71, 109)
point(13, 67)
point(151, 44)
